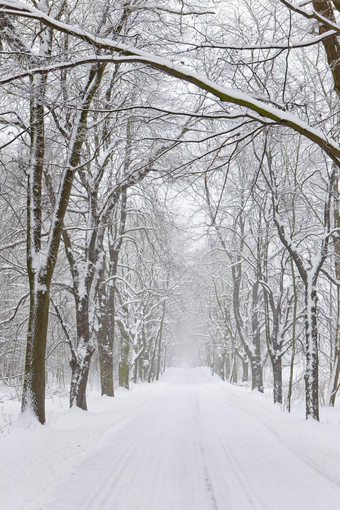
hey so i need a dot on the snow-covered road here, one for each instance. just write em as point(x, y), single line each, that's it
point(191, 447)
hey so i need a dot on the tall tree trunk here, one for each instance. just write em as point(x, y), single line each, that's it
point(124, 364)
point(277, 373)
point(332, 48)
point(104, 347)
point(312, 362)
point(274, 340)
point(233, 371)
point(81, 356)
point(335, 374)
point(245, 369)
point(152, 368)
point(135, 370)
point(256, 373)
point(41, 266)
point(80, 366)
point(255, 357)
point(39, 274)
point(159, 348)
point(110, 338)
point(34, 381)
point(226, 365)
point(108, 315)
point(105, 339)
point(292, 358)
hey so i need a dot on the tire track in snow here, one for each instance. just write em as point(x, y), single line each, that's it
point(228, 461)
point(99, 496)
point(192, 448)
point(172, 411)
point(239, 474)
point(205, 464)
point(100, 499)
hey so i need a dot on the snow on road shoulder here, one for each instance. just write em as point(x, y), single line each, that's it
point(317, 444)
point(36, 458)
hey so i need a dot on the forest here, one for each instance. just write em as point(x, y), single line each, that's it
point(169, 193)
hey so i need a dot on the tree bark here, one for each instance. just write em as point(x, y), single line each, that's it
point(80, 366)
point(335, 373)
point(277, 373)
point(312, 362)
point(292, 359)
point(39, 274)
point(256, 374)
point(81, 355)
point(245, 370)
point(34, 381)
point(124, 364)
point(255, 357)
point(104, 347)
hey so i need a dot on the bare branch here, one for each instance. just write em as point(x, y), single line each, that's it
point(223, 93)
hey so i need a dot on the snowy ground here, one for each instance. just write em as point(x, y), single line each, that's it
point(189, 442)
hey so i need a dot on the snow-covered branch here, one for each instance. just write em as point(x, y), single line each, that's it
point(225, 94)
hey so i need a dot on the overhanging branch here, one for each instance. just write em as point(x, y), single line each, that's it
point(132, 54)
